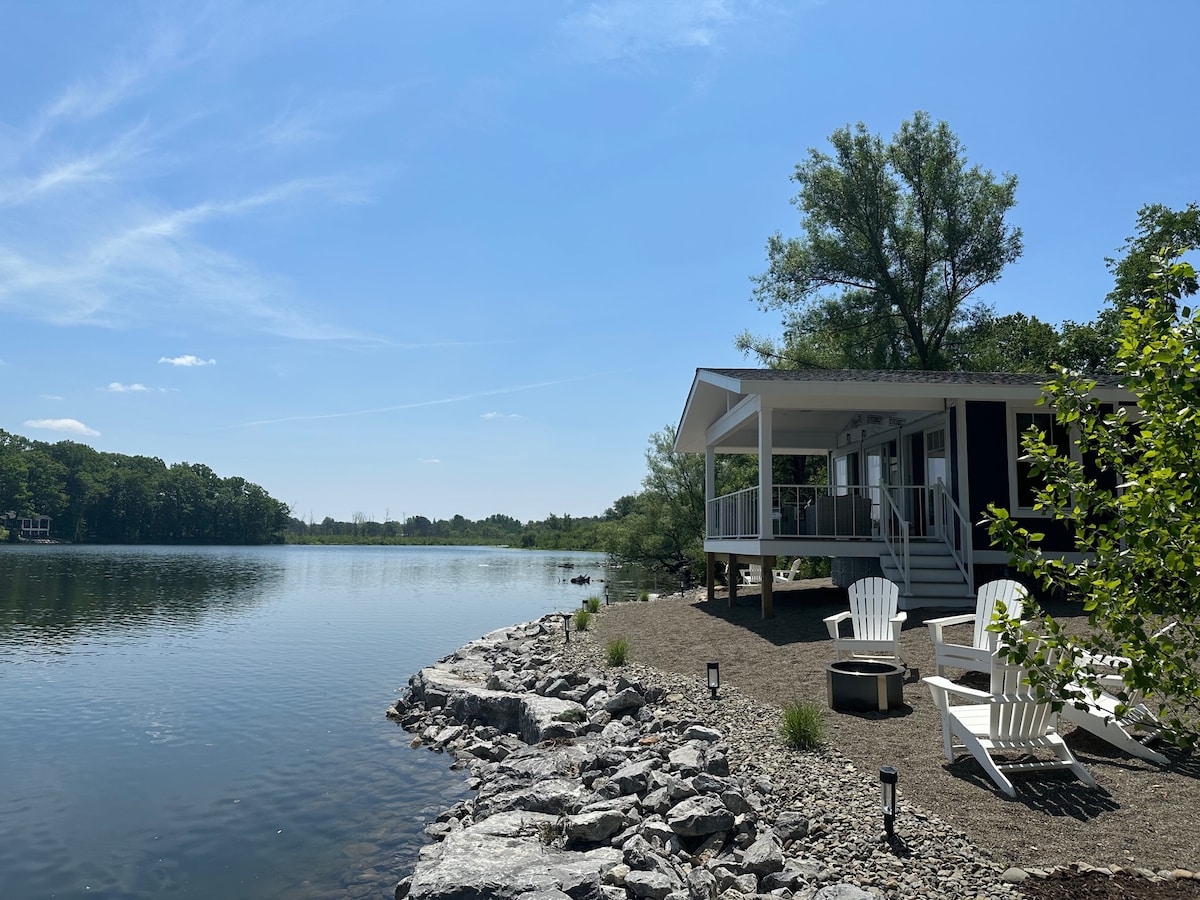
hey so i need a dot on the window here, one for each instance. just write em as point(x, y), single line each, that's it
point(1024, 483)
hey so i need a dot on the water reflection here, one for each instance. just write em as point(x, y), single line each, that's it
point(210, 722)
point(54, 593)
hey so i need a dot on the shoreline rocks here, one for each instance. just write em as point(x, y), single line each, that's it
point(600, 783)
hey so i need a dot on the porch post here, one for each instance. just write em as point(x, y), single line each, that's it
point(731, 575)
point(766, 489)
point(768, 587)
point(710, 491)
point(710, 574)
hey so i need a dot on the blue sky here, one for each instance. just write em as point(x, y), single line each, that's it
point(396, 258)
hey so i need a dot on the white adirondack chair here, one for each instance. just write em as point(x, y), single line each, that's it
point(976, 656)
point(789, 574)
point(874, 622)
point(1008, 719)
point(1131, 729)
point(752, 574)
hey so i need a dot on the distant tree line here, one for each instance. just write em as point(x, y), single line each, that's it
point(555, 532)
point(112, 498)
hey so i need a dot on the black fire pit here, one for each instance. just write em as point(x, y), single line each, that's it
point(863, 684)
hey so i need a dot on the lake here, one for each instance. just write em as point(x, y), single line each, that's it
point(209, 722)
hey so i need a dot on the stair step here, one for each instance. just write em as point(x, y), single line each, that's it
point(927, 576)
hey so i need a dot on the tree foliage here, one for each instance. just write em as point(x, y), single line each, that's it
point(901, 233)
point(114, 498)
point(1131, 502)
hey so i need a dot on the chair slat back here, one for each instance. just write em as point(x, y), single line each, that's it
point(873, 603)
point(1016, 712)
point(985, 607)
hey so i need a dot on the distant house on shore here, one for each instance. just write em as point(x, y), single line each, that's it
point(914, 458)
point(30, 528)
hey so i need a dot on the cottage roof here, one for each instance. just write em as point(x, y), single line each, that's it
point(811, 404)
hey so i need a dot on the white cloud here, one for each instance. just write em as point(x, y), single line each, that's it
point(612, 29)
point(187, 360)
point(422, 459)
point(69, 426)
point(50, 397)
point(117, 388)
point(498, 415)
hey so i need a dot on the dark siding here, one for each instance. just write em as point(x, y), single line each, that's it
point(987, 474)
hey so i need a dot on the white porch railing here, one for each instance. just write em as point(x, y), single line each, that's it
point(954, 529)
point(798, 510)
point(895, 531)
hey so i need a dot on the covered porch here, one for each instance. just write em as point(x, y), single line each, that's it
point(890, 446)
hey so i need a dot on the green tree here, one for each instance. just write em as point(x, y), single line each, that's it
point(898, 237)
point(1130, 500)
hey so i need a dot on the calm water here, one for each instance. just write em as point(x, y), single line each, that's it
point(209, 722)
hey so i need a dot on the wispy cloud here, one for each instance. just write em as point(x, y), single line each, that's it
point(117, 388)
point(612, 29)
point(88, 237)
point(66, 426)
point(187, 360)
point(497, 415)
point(458, 398)
point(50, 397)
point(428, 461)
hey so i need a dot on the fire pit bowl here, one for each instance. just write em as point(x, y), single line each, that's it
point(864, 685)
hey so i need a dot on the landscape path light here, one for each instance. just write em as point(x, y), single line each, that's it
point(566, 627)
point(888, 777)
point(606, 595)
point(714, 678)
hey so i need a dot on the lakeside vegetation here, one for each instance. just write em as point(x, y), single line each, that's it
point(111, 498)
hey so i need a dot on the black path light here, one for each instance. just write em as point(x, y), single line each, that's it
point(566, 627)
point(887, 784)
point(606, 595)
point(714, 678)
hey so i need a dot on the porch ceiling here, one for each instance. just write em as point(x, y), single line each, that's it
point(805, 431)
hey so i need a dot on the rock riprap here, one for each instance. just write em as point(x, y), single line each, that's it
point(596, 783)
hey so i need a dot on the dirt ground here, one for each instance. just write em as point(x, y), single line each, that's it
point(1140, 815)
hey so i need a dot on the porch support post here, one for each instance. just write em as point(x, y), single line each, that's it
point(731, 575)
point(710, 574)
point(711, 529)
point(768, 587)
point(766, 490)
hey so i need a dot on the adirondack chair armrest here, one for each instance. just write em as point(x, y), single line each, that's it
point(831, 622)
point(946, 686)
point(936, 625)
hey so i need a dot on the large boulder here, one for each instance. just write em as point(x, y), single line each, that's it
point(698, 816)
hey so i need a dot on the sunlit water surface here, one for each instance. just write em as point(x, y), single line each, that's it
point(209, 722)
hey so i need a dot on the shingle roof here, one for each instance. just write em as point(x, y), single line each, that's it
point(892, 376)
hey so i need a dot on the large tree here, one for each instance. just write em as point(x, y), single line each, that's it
point(897, 238)
point(1130, 500)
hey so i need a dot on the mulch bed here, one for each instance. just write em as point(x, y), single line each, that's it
point(1140, 815)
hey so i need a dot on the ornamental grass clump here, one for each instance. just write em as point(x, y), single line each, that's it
point(643, 595)
point(803, 725)
point(582, 619)
point(593, 604)
point(617, 651)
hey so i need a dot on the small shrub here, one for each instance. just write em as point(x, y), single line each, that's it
point(803, 726)
point(582, 619)
point(571, 715)
point(593, 604)
point(617, 651)
point(643, 595)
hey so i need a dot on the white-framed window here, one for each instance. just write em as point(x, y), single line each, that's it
point(1022, 483)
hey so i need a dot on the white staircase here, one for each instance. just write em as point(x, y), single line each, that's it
point(934, 578)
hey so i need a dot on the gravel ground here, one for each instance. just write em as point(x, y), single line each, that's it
point(1140, 816)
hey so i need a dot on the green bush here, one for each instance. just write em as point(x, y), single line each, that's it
point(803, 726)
point(643, 595)
point(582, 619)
point(593, 604)
point(617, 651)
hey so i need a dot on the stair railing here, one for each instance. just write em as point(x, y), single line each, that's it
point(893, 528)
point(955, 531)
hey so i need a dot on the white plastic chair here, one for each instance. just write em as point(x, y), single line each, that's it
point(789, 574)
point(874, 622)
point(1008, 719)
point(752, 574)
point(1134, 726)
point(976, 656)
